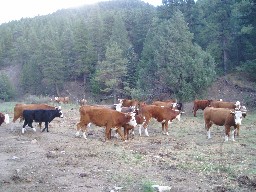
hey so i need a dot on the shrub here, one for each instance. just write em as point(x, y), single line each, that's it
point(6, 88)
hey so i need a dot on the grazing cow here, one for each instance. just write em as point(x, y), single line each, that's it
point(223, 104)
point(222, 117)
point(200, 104)
point(4, 118)
point(165, 115)
point(128, 102)
point(82, 102)
point(61, 99)
point(40, 115)
point(19, 108)
point(104, 117)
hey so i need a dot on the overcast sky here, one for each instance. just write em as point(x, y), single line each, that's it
point(17, 9)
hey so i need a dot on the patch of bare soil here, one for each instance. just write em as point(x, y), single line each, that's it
point(185, 160)
point(234, 87)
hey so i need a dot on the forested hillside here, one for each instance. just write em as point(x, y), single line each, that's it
point(127, 48)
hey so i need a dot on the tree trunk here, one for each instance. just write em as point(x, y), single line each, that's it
point(57, 90)
point(225, 55)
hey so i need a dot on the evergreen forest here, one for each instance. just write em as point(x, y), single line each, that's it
point(130, 49)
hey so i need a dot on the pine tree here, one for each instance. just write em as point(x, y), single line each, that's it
point(110, 71)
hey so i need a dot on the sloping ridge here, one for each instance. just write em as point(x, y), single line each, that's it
point(234, 87)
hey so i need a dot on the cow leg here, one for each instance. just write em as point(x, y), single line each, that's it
point(208, 126)
point(163, 129)
point(107, 133)
point(237, 130)
point(40, 125)
point(233, 135)
point(120, 133)
point(227, 133)
point(79, 128)
point(194, 113)
point(145, 125)
point(24, 125)
point(46, 127)
point(126, 133)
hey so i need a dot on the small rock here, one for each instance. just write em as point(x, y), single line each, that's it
point(83, 174)
point(161, 188)
point(15, 157)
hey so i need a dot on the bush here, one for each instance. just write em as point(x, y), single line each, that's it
point(6, 88)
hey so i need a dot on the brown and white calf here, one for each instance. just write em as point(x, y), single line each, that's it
point(223, 117)
point(104, 117)
point(164, 115)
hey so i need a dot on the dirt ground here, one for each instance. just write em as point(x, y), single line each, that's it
point(185, 160)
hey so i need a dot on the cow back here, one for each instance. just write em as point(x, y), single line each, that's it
point(222, 104)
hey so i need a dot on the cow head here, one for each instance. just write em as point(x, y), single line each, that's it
point(237, 117)
point(120, 101)
point(238, 105)
point(60, 113)
point(132, 121)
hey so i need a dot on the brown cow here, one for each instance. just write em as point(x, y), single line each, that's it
point(222, 117)
point(4, 118)
point(223, 104)
point(128, 102)
point(61, 99)
point(200, 104)
point(19, 108)
point(165, 115)
point(104, 117)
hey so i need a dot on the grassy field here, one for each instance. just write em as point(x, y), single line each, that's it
point(185, 160)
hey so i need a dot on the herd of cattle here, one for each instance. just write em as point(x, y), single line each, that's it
point(128, 114)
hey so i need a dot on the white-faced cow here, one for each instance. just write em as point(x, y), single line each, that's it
point(4, 118)
point(104, 117)
point(40, 115)
point(223, 117)
point(164, 115)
